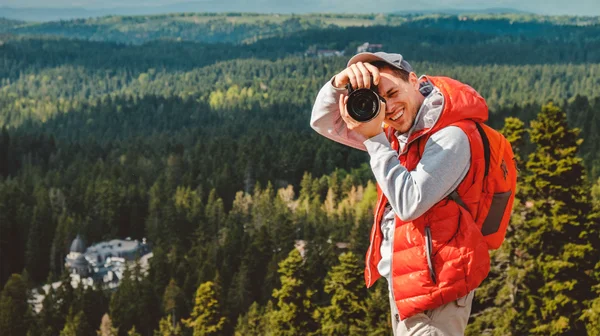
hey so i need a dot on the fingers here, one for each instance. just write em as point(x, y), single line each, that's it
point(350, 123)
point(382, 112)
point(353, 74)
point(374, 72)
point(342, 104)
point(365, 73)
point(359, 75)
point(343, 109)
point(362, 74)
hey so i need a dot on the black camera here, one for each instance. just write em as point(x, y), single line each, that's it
point(363, 104)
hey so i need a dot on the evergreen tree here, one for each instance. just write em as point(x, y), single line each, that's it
point(133, 332)
point(93, 303)
point(167, 327)
point(106, 327)
point(76, 325)
point(123, 302)
point(172, 300)
point(39, 240)
point(377, 321)
point(251, 323)
point(134, 303)
point(514, 131)
point(14, 308)
point(556, 239)
point(64, 298)
point(294, 307)
point(49, 319)
point(359, 241)
point(206, 317)
point(160, 268)
point(61, 240)
point(239, 293)
point(346, 311)
point(257, 258)
point(320, 256)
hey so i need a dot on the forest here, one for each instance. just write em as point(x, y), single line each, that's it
point(192, 131)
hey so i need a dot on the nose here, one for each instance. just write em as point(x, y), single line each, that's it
point(384, 106)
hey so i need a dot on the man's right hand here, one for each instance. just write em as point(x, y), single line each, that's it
point(358, 75)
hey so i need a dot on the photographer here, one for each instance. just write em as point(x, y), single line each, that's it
point(423, 242)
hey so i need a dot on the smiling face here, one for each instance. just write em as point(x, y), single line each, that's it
point(403, 99)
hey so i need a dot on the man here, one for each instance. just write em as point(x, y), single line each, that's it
point(423, 242)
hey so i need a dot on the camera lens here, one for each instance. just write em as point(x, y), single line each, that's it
point(363, 105)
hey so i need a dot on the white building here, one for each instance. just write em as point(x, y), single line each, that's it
point(99, 259)
point(369, 47)
point(101, 264)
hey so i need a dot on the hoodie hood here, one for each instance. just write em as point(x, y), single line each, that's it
point(448, 102)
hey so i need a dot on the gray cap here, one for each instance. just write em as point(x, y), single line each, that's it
point(395, 60)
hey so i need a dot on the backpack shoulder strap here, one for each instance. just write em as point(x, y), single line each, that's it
point(486, 147)
point(486, 153)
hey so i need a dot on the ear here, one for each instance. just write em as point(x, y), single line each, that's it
point(414, 80)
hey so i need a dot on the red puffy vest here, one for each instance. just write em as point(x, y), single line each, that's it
point(442, 255)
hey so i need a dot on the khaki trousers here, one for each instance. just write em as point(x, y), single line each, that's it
point(448, 320)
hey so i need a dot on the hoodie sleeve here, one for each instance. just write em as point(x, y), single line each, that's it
point(327, 121)
point(444, 164)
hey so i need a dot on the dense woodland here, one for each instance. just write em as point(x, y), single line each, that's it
point(149, 127)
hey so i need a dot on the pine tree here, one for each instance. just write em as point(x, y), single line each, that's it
point(134, 303)
point(49, 319)
point(60, 242)
point(64, 298)
point(359, 241)
point(91, 302)
point(252, 323)
point(514, 131)
point(346, 310)
point(76, 325)
point(294, 308)
point(35, 261)
point(160, 268)
point(240, 292)
point(377, 319)
point(556, 240)
point(14, 309)
point(123, 307)
point(167, 327)
point(591, 315)
point(133, 332)
point(39, 240)
point(257, 259)
point(206, 319)
point(320, 256)
point(106, 327)
point(172, 300)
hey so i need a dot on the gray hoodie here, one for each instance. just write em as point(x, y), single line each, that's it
point(445, 161)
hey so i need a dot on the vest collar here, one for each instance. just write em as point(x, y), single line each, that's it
point(427, 116)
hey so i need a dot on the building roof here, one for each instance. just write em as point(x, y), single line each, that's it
point(80, 262)
point(78, 245)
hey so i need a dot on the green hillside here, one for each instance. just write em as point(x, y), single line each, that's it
point(192, 131)
point(248, 27)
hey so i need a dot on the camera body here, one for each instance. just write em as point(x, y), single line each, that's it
point(363, 104)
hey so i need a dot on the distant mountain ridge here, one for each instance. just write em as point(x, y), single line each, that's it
point(43, 14)
point(453, 11)
point(251, 27)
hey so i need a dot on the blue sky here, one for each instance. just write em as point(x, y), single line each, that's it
point(550, 7)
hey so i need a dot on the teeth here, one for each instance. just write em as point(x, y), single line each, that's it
point(397, 115)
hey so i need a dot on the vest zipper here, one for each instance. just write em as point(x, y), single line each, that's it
point(428, 252)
